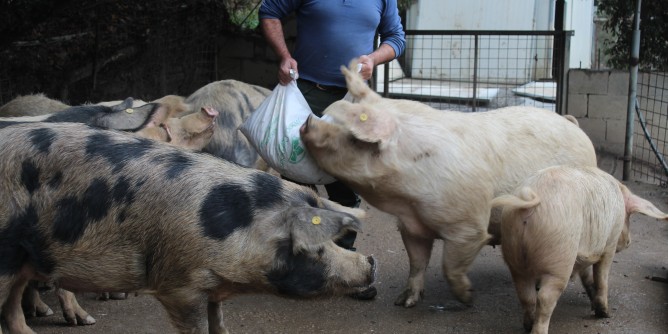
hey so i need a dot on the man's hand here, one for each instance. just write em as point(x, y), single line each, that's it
point(382, 55)
point(284, 70)
point(367, 66)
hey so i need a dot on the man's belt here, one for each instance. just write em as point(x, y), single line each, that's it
point(325, 88)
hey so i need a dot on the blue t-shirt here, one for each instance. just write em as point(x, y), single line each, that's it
point(330, 33)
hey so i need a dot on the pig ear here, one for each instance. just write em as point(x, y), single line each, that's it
point(127, 103)
point(637, 204)
point(132, 119)
point(331, 205)
point(312, 227)
point(358, 87)
point(368, 124)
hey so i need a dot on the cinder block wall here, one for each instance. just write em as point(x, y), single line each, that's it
point(249, 58)
point(598, 99)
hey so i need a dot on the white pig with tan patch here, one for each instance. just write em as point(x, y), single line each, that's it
point(437, 171)
point(560, 221)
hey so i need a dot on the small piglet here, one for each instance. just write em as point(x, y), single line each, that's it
point(559, 222)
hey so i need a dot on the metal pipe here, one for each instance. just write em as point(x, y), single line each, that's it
point(633, 81)
point(475, 73)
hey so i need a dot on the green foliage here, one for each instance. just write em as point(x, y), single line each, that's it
point(653, 32)
point(405, 4)
point(79, 49)
point(244, 13)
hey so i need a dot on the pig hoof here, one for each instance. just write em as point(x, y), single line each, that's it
point(118, 295)
point(43, 312)
point(88, 320)
point(601, 313)
point(407, 299)
point(465, 297)
point(528, 324)
point(366, 294)
point(103, 296)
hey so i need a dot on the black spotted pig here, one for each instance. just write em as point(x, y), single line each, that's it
point(149, 120)
point(162, 119)
point(564, 220)
point(235, 101)
point(96, 210)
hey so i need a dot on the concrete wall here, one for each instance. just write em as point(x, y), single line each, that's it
point(598, 99)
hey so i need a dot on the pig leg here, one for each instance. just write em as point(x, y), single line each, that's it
point(459, 250)
point(72, 312)
point(11, 310)
point(601, 271)
point(526, 292)
point(550, 290)
point(215, 314)
point(587, 279)
point(419, 252)
point(186, 309)
point(32, 303)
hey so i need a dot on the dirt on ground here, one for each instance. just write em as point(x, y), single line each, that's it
point(638, 298)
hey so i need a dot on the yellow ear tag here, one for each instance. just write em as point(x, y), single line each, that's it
point(129, 110)
point(363, 117)
point(315, 220)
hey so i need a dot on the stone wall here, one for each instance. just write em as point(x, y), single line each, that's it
point(598, 99)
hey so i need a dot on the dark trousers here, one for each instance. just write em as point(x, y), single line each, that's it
point(319, 99)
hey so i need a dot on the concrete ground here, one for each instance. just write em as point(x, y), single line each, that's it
point(638, 300)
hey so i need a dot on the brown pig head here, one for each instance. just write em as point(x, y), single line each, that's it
point(193, 131)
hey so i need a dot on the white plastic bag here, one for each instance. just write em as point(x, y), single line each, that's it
point(273, 129)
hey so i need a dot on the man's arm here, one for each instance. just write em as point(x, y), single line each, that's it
point(381, 55)
point(392, 40)
point(273, 33)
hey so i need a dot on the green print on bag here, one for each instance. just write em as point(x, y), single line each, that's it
point(292, 149)
point(289, 150)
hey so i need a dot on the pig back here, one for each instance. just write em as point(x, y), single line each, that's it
point(83, 180)
point(582, 208)
point(498, 149)
point(235, 101)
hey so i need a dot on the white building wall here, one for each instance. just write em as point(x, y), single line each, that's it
point(580, 19)
point(426, 61)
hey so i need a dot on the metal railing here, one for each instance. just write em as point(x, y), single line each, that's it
point(650, 137)
point(475, 70)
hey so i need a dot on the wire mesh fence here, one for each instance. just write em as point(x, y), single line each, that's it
point(479, 70)
point(650, 138)
point(109, 50)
